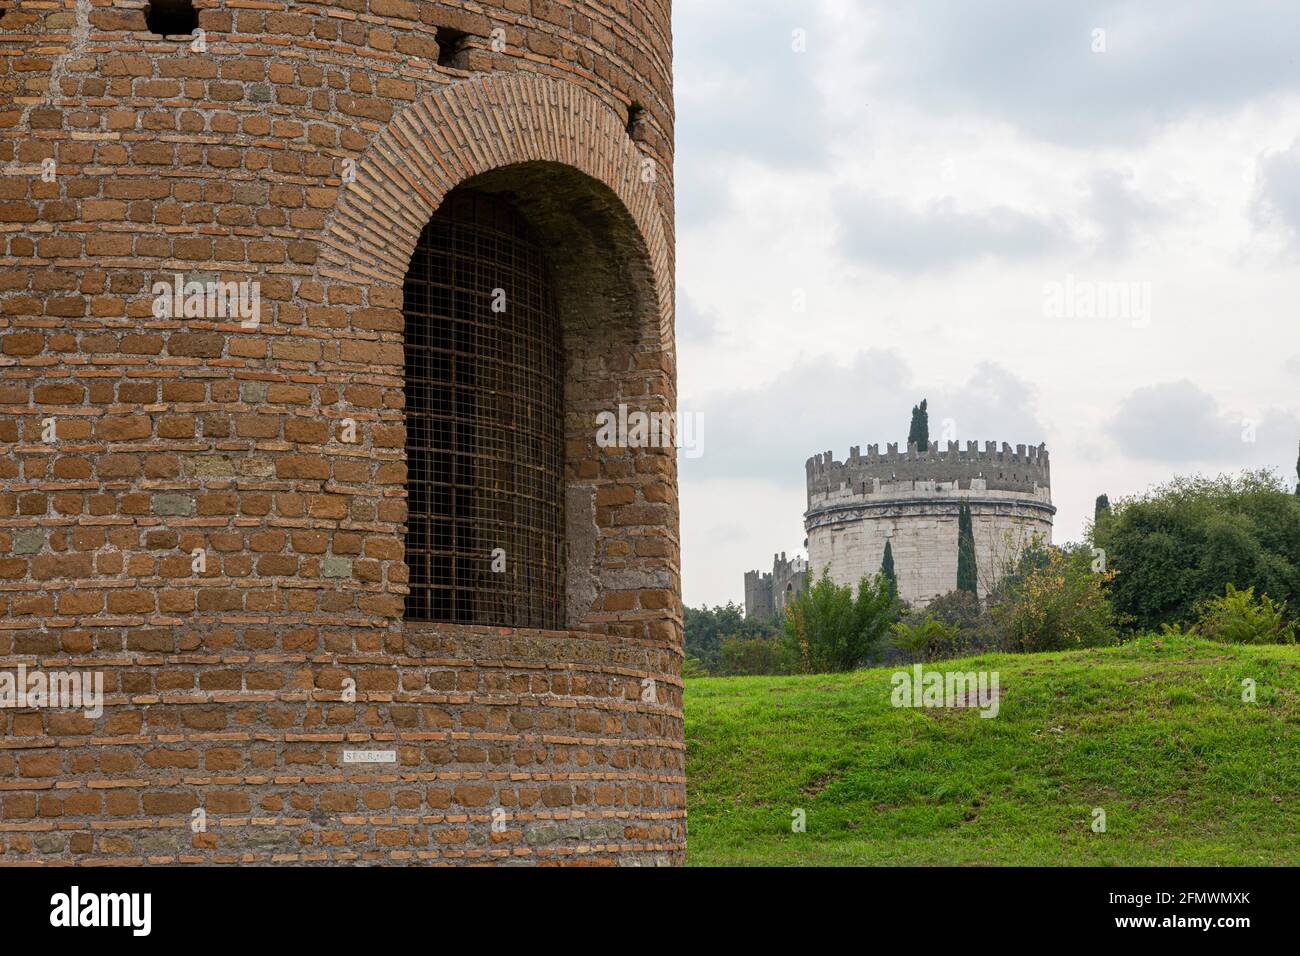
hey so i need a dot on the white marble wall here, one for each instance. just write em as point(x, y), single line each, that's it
point(924, 538)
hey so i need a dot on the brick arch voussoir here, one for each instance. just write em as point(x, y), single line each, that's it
point(473, 127)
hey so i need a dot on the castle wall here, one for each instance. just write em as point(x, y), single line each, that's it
point(924, 545)
point(758, 594)
point(768, 592)
point(788, 581)
point(913, 501)
point(304, 148)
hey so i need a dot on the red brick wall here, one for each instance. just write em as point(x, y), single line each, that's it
point(305, 149)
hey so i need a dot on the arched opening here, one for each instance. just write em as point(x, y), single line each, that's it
point(571, 236)
point(484, 421)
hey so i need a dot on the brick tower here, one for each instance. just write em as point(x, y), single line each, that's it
point(307, 311)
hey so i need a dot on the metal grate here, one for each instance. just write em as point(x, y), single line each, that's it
point(484, 416)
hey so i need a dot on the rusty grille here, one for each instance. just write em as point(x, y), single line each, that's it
point(484, 417)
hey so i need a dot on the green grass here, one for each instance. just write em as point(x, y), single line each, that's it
point(1153, 732)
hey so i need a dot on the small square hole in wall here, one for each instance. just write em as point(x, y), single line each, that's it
point(636, 123)
point(171, 17)
point(451, 47)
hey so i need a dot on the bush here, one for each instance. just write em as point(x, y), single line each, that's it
point(1238, 617)
point(827, 629)
point(958, 608)
point(691, 667)
point(1035, 556)
point(924, 640)
point(1059, 606)
point(1180, 544)
point(976, 629)
point(964, 627)
point(749, 656)
point(706, 628)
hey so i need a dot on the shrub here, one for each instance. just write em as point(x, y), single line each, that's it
point(959, 608)
point(749, 656)
point(976, 631)
point(1034, 556)
point(1238, 617)
point(1061, 605)
point(924, 640)
point(827, 629)
point(691, 667)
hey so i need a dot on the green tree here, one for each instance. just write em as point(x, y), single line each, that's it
point(887, 567)
point(827, 629)
point(1100, 508)
point(919, 432)
point(707, 628)
point(1183, 542)
point(967, 573)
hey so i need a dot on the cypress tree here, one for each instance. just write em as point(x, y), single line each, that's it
point(919, 433)
point(967, 577)
point(1102, 506)
point(887, 567)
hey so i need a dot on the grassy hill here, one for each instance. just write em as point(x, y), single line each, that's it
point(1154, 732)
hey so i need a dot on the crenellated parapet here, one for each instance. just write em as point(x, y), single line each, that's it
point(1019, 469)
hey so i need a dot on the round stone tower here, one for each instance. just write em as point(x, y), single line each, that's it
point(911, 499)
point(307, 314)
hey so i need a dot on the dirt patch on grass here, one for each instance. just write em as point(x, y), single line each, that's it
point(818, 785)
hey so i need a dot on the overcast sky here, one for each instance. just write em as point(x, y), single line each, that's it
point(926, 177)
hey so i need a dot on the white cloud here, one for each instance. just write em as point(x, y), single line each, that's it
point(1278, 200)
point(1036, 65)
point(877, 231)
point(1182, 424)
point(694, 325)
point(1118, 210)
point(769, 432)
